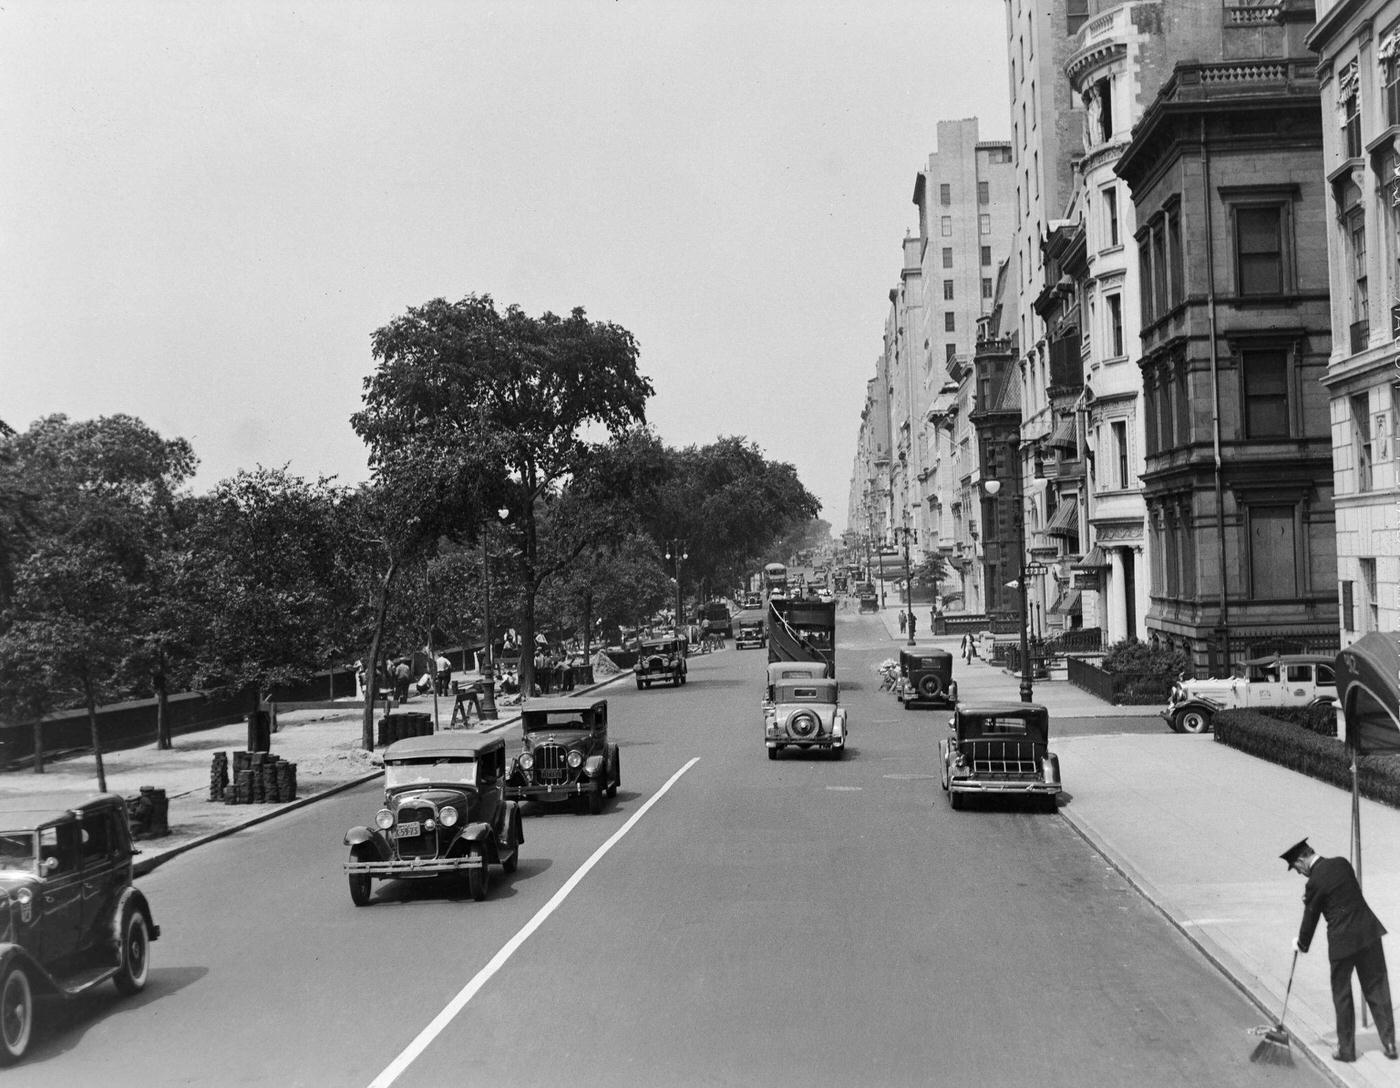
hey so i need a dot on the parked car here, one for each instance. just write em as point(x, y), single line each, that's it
point(926, 679)
point(805, 713)
point(70, 917)
point(749, 630)
point(660, 659)
point(444, 815)
point(999, 749)
point(1282, 680)
point(565, 754)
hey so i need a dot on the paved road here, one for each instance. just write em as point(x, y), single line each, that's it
point(799, 922)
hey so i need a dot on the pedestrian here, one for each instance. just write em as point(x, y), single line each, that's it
point(902, 621)
point(402, 676)
point(963, 648)
point(444, 673)
point(1353, 944)
point(913, 623)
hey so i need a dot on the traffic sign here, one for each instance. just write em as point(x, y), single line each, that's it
point(1035, 568)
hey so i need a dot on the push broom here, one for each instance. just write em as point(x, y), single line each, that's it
point(1273, 1048)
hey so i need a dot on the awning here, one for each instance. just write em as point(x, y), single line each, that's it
point(1368, 686)
point(1065, 520)
point(1094, 559)
point(1067, 603)
point(1063, 436)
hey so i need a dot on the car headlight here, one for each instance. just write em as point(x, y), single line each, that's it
point(448, 816)
point(526, 761)
point(383, 819)
point(574, 759)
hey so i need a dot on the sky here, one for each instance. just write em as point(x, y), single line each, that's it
point(207, 209)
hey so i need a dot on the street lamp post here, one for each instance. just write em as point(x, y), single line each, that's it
point(992, 488)
point(905, 531)
point(675, 551)
point(487, 709)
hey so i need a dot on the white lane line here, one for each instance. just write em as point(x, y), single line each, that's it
point(395, 1069)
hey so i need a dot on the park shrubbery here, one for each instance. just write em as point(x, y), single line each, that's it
point(1297, 746)
point(1143, 673)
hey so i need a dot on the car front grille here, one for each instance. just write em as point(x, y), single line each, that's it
point(550, 768)
point(424, 845)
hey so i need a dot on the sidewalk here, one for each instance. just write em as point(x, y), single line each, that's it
point(1197, 827)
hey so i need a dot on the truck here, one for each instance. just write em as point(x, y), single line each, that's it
point(802, 630)
point(717, 613)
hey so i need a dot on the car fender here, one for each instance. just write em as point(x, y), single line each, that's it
point(130, 896)
point(1050, 766)
point(593, 766)
point(39, 978)
point(475, 833)
point(838, 724)
point(365, 840)
point(1198, 702)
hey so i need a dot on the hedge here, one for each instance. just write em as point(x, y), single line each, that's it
point(1293, 745)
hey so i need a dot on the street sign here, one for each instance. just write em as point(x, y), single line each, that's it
point(1036, 568)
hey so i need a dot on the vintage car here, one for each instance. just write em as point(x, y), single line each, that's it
point(926, 679)
point(70, 917)
point(565, 754)
point(804, 712)
point(444, 815)
point(660, 659)
point(1283, 680)
point(999, 749)
point(749, 630)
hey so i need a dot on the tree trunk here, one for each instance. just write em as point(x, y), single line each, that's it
point(527, 634)
point(372, 666)
point(91, 699)
point(587, 627)
point(162, 707)
point(39, 745)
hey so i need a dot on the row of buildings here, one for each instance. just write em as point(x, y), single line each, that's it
point(1163, 323)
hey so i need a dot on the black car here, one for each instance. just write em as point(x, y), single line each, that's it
point(444, 814)
point(70, 918)
point(661, 660)
point(565, 754)
point(1000, 749)
point(926, 679)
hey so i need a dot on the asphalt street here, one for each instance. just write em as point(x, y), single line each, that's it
point(726, 921)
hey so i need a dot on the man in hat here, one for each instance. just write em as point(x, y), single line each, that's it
point(1353, 944)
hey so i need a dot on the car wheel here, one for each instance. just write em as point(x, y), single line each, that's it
point(616, 774)
point(1194, 721)
point(955, 799)
point(359, 888)
point(838, 751)
point(511, 861)
point(595, 802)
point(16, 1014)
point(639, 683)
point(477, 880)
point(135, 953)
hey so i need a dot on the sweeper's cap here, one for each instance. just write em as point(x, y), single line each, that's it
point(1296, 851)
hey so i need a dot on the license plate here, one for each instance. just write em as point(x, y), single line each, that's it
point(408, 830)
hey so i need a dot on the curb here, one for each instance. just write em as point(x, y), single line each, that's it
point(157, 859)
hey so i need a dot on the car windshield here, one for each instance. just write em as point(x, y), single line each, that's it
point(17, 851)
point(553, 719)
point(424, 770)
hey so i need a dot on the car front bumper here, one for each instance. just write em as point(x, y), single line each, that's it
point(550, 794)
point(417, 867)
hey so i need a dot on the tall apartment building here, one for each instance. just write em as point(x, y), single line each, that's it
point(1358, 46)
point(1225, 170)
point(964, 202)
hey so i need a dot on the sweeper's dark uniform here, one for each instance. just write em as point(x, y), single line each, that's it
point(1353, 943)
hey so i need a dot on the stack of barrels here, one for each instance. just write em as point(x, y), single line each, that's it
point(256, 778)
point(403, 724)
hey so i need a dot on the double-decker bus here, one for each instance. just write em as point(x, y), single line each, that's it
point(775, 577)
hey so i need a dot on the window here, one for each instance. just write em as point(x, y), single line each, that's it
point(1259, 250)
point(1181, 382)
point(1110, 215)
point(945, 226)
point(1160, 301)
point(949, 351)
point(948, 290)
point(1361, 440)
point(1120, 450)
point(986, 287)
point(984, 192)
point(1351, 122)
point(1348, 606)
point(1176, 264)
point(947, 257)
point(1360, 299)
point(1103, 98)
point(950, 322)
point(1265, 379)
point(1113, 308)
point(1272, 566)
point(1145, 299)
point(984, 224)
point(986, 256)
point(1390, 88)
point(1370, 602)
point(945, 194)
point(1076, 14)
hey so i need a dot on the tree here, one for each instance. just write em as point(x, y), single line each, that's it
point(500, 401)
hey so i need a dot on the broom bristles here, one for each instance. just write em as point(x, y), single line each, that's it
point(1272, 1051)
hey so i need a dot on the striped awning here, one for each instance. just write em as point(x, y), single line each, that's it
point(1065, 520)
point(1094, 559)
point(1063, 436)
point(1067, 603)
